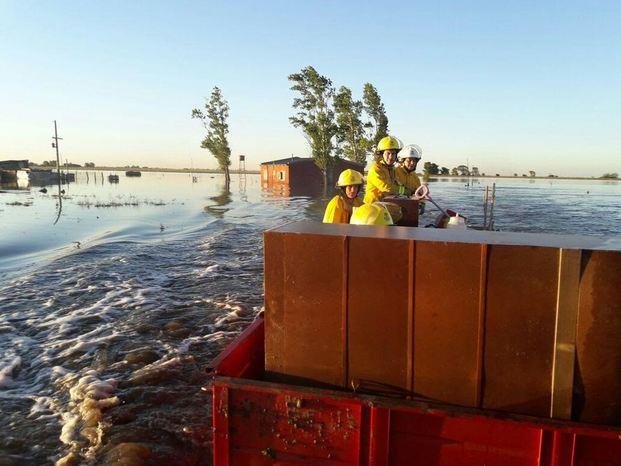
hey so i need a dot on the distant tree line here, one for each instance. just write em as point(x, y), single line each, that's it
point(52, 163)
point(431, 169)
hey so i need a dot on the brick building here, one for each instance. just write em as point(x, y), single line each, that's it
point(300, 176)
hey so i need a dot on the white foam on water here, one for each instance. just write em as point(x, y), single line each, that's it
point(208, 270)
point(236, 311)
point(184, 346)
point(159, 365)
point(82, 425)
point(87, 342)
point(8, 368)
point(44, 407)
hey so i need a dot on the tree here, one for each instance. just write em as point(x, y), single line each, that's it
point(454, 171)
point(610, 176)
point(89, 165)
point(351, 130)
point(532, 174)
point(444, 171)
point(315, 114)
point(474, 171)
point(463, 170)
point(214, 120)
point(430, 168)
point(374, 108)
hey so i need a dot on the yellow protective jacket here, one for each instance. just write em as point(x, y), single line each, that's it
point(409, 180)
point(339, 210)
point(380, 182)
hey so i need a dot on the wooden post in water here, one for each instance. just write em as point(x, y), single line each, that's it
point(485, 201)
point(60, 198)
point(55, 144)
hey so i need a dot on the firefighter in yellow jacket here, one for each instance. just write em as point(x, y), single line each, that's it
point(340, 207)
point(381, 179)
point(405, 173)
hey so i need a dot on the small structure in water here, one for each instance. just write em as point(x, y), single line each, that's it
point(113, 178)
point(133, 173)
point(11, 170)
point(67, 177)
point(300, 175)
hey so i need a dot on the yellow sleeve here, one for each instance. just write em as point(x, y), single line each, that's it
point(409, 180)
point(377, 178)
point(335, 212)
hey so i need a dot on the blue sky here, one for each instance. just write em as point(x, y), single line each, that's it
point(507, 86)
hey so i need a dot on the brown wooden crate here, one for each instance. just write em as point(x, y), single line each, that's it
point(565, 333)
point(519, 329)
point(314, 316)
point(447, 321)
point(598, 369)
point(274, 278)
point(379, 311)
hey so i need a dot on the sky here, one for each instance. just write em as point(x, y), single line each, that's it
point(507, 86)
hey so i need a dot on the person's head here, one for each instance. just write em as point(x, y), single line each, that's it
point(371, 214)
point(349, 183)
point(387, 149)
point(409, 157)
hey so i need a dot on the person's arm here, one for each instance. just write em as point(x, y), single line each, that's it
point(377, 180)
point(403, 183)
point(334, 212)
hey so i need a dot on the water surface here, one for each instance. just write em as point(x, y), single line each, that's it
point(108, 318)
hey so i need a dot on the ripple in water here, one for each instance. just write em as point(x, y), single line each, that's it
point(104, 347)
point(109, 347)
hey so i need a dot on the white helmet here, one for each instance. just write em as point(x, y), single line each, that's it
point(411, 151)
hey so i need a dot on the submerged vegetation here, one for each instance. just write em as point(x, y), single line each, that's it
point(18, 203)
point(132, 202)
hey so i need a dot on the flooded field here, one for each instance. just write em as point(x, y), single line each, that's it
point(108, 317)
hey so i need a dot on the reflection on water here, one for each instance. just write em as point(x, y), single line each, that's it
point(221, 201)
point(108, 318)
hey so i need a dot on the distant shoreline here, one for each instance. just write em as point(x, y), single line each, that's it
point(257, 172)
point(157, 169)
point(508, 177)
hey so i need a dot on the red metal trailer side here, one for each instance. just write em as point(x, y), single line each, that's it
point(257, 422)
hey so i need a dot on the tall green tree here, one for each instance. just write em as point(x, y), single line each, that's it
point(315, 115)
point(215, 120)
point(351, 129)
point(430, 168)
point(374, 108)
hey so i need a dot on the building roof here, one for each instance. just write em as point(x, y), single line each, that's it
point(292, 160)
point(13, 164)
point(287, 161)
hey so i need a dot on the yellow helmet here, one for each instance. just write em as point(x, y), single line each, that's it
point(389, 142)
point(371, 214)
point(349, 177)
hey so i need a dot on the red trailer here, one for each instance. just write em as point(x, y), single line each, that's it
point(258, 422)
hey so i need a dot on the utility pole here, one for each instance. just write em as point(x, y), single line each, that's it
point(55, 144)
